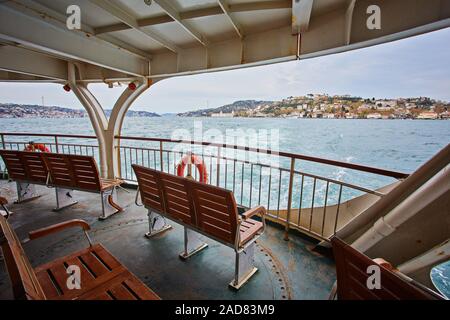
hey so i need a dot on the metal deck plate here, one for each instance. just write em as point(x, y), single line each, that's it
point(287, 270)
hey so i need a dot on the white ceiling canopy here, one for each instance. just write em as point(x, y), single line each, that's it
point(124, 39)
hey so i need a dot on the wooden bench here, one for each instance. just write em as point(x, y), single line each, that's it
point(201, 209)
point(65, 172)
point(352, 276)
point(68, 172)
point(101, 275)
point(27, 169)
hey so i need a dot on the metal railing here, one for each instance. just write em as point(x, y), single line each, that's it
point(294, 195)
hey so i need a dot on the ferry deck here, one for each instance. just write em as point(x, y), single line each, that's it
point(140, 43)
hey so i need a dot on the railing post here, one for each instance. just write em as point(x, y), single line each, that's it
point(289, 204)
point(189, 169)
point(161, 155)
point(218, 166)
point(117, 155)
point(3, 147)
point(3, 141)
point(56, 144)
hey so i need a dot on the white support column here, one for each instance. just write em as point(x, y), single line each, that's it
point(106, 130)
point(95, 112)
point(115, 124)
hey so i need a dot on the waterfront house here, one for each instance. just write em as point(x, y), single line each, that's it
point(428, 115)
point(374, 116)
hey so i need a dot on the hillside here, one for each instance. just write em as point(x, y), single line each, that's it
point(12, 110)
point(332, 107)
point(242, 105)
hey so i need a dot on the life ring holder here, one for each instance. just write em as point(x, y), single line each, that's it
point(39, 147)
point(189, 160)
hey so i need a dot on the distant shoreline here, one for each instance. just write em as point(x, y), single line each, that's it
point(293, 118)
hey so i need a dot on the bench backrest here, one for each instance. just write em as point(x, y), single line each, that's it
point(23, 278)
point(216, 210)
point(351, 269)
point(210, 209)
point(25, 166)
point(150, 188)
point(177, 199)
point(72, 171)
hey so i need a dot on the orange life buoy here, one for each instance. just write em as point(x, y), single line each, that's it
point(199, 164)
point(36, 147)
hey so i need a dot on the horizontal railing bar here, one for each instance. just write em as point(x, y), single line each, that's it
point(345, 184)
point(53, 144)
point(47, 135)
point(383, 172)
point(378, 171)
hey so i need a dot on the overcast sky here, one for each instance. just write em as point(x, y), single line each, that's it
point(418, 66)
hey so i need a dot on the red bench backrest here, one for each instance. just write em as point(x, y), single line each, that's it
point(216, 210)
point(208, 208)
point(351, 269)
point(150, 188)
point(177, 199)
point(73, 171)
point(25, 166)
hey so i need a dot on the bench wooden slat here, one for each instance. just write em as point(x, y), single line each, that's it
point(120, 292)
point(182, 204)
point(212, 212)
point(212, 219)
point(47, 285)
point(205, 195)
point(177, 198)
point(25, 166)
point(48, 281)
point(248, 229)
point(106, 258)
point(351, 271)
point(93, 264)
point(73, 171)
point(58, 271)
point(84, 273)
point(135, 285)
point(102, 296)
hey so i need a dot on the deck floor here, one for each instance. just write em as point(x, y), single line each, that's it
point(287, 269)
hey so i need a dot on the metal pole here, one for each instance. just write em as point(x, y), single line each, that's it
point(291, 183)
point(3, 141)
point(161, 155)
point(189, 174)
point(218, 166)
point(56, 144)
point(3, 147)
point(119, 160)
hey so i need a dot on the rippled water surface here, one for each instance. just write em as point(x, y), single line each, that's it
point(391, 144)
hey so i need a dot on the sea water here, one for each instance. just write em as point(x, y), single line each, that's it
point(398, 145)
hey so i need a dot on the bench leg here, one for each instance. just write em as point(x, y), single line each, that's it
point(26, 192)
point(244, 267)
point(64, 198)
point(6, 213)
point(192, 244)
point(109, 206)
point(156, 224)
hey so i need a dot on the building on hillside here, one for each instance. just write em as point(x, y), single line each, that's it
point(374, 116)
point(221, 114)
point(428, 115)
